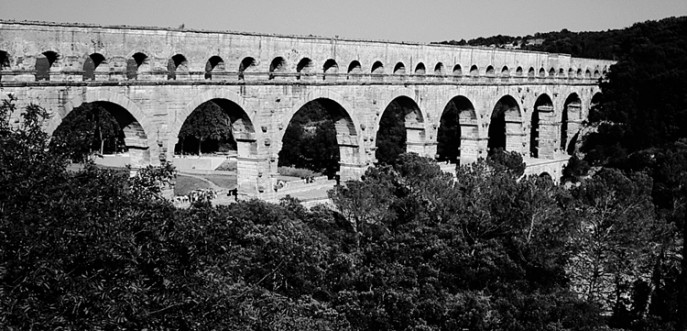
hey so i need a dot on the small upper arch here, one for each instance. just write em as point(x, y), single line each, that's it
point(278, 65)
point(214, 63)
point(4, 60)
point(457, 70)
point(420, 69)
point(505, 71)
point(248, 64)
point(552, 72)
point(518, 71)
point(439, 69)
point(399, 68)
point(44, 62)
point(177, 63)
point(92, 62)
point(134, 63)
point(377, 68)
point(474, 70)
point(490, 71)
point(330, 67)
point(542, 72)
point(355, 68)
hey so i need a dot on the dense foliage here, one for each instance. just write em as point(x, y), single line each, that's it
point(310, 141)
point(207, 129)
point(410, 248)
point(88, 128)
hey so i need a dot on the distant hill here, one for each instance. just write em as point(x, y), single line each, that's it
point(610, 44)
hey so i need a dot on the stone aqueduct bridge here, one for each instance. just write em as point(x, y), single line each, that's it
point(152, 79)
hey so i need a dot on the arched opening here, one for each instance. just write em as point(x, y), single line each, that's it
point(541, 138)
point(176, 64)
point(439, 69)
point(304, 67)
point(505, 72)
point(318, 138)
point(552, 72)
point(354, 68)
point(277, 66)
point(597, 74)
point(542, 73)
point(561, 73)
point(330, 67)
point(134, 63)
point(247, 65)
point(457, 133)
point(4, 62)
point(530, 73)
point(43, 64)
point(572, 110)
point(490, 71)
point(571, 73)
point(474, 71)
point(400, 130)
point(420, 69)
point(518, 71)
point(399, 69)
point(594, 105)
point(377, 70)
point(212, 130)
point(457, 70)
point(91, 64)
point(102, 128)
point(505, 128)
point(588, 74)
point(215, 64)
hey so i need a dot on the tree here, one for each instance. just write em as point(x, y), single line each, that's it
point(89, 127)
point(310, 140)
point(208, 123)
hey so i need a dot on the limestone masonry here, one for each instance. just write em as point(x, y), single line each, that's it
point(153, 78)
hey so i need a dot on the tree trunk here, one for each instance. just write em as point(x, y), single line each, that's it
point(200, 143)
point(102, 143)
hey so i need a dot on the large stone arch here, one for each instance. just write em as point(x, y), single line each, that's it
point(543, 128)
point(138, 134)
point(470, 129)
point(506, 125)
point(253, 165)
point(415, 121)
point(349, 131)
point(181, 115)
point(571, 121)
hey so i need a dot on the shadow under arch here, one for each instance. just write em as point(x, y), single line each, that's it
point(505, 126)
point(400, 129)
point(349, 130)
point(312, 126)
point(135, 132)
point(458, 132)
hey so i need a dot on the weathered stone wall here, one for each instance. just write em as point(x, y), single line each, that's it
point(267, 101)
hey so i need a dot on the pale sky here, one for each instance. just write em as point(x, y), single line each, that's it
point(398, 20)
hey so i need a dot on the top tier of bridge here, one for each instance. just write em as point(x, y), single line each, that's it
point(35, 51)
